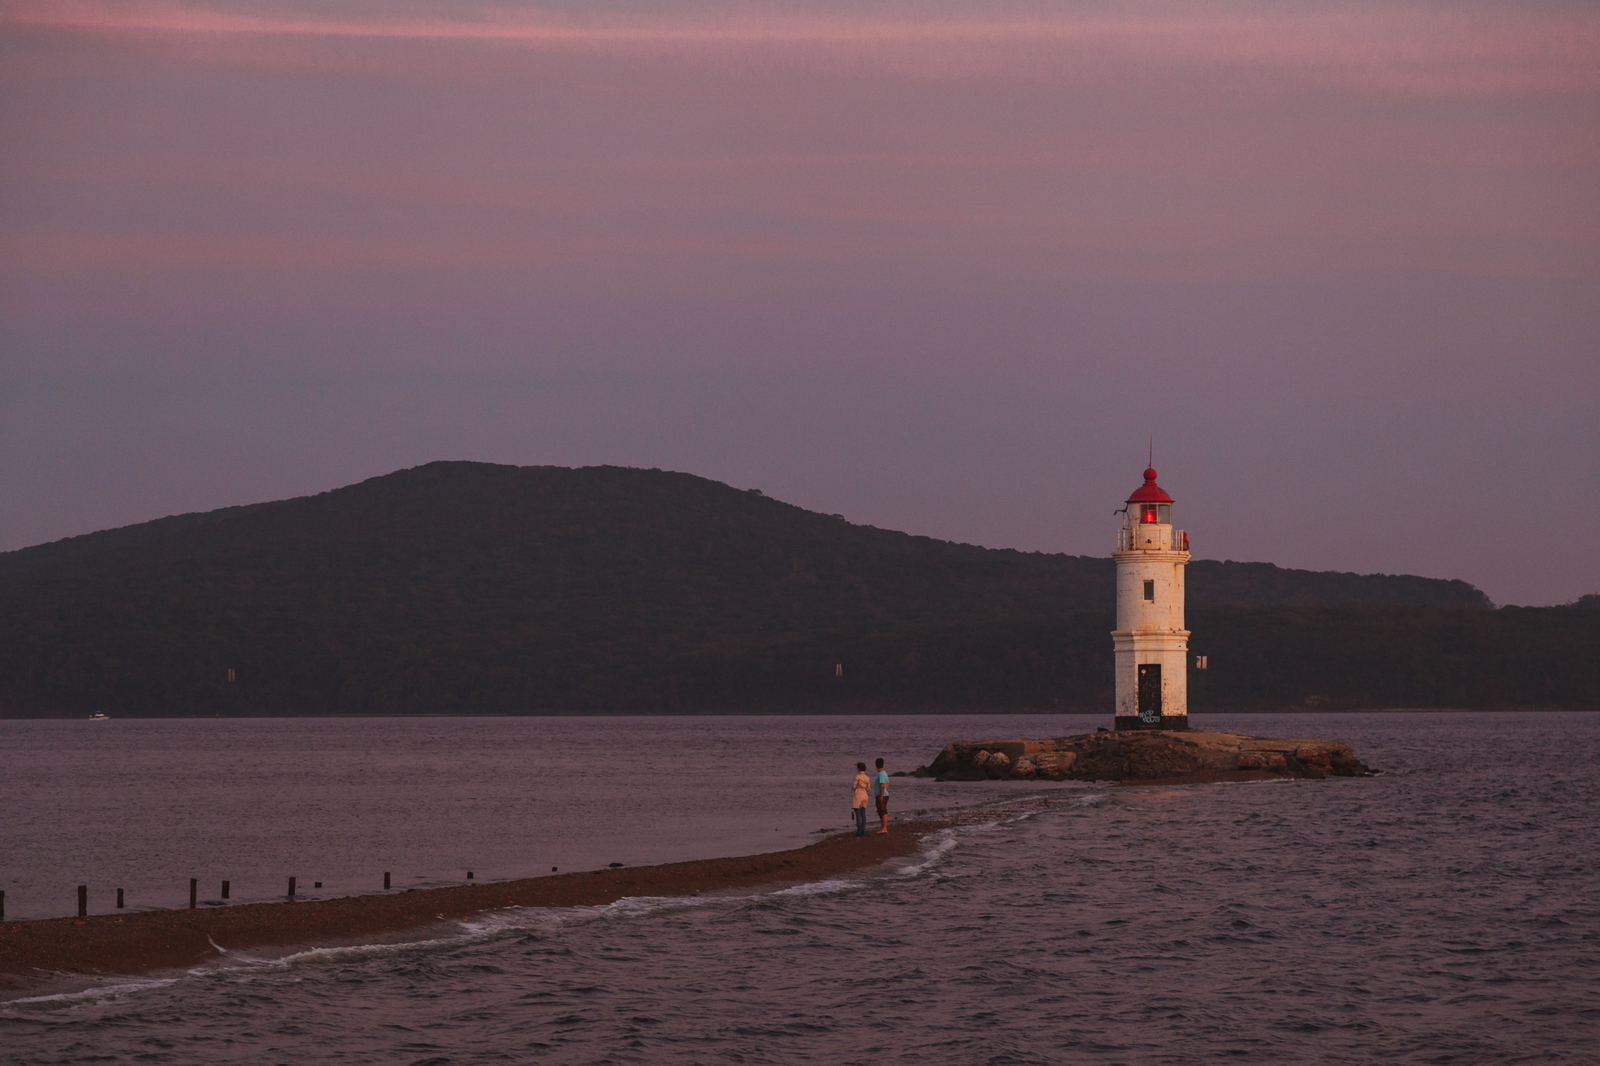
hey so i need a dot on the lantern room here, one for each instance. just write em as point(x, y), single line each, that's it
point(1148, 526)
point(1150, 502)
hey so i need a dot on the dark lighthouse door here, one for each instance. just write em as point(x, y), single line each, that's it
point(1150, 692)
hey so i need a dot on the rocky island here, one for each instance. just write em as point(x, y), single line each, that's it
point(1152, 741)
point(1145, 756)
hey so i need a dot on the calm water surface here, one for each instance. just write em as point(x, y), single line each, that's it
point(1445, 911)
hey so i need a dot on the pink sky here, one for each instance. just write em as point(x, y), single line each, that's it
point(940, 267)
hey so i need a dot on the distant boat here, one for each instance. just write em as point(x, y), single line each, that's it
point(99, 716)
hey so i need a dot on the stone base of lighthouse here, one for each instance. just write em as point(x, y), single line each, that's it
point(1152, 675)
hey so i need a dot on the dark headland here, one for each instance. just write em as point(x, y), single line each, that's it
point(470, 588)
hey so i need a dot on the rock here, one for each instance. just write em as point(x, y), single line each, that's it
point(1054, 762)
point(1047, 764)
point(947, 760)
point(998, 764)
point(1011, 749)
point(1144, 755)
point(961, 761)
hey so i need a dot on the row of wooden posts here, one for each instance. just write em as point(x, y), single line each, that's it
point(194, 894)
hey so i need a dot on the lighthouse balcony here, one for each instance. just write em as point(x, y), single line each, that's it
point(1152, 538)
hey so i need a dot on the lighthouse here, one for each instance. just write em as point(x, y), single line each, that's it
point(1150, 642)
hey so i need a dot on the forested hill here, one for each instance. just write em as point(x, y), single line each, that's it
point(517, 539)
point(456, 587)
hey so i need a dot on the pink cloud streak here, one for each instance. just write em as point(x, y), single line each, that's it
point(1396, 48)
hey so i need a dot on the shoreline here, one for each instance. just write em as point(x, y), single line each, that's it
point(37, 950)
point(984, 711)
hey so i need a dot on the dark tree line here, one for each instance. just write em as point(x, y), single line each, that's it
point(471, 588)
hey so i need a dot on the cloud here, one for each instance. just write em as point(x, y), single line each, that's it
point(1416, 47)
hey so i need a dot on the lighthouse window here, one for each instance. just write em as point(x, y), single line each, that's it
point(1150, 591)
point(1149, 514)
point(1164, 513)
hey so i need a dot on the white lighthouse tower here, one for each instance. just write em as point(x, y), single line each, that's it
point(1150, 642)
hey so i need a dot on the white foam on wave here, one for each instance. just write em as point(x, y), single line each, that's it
point(351, 952)
point(526, 919)
point(815, 888)
point(641, 906)
point(512, 921)
point(930, 855)
point(97, 994)
point(517, 920)
point(1003, 814)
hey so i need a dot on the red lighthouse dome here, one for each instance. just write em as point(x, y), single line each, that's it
point(1149, 492)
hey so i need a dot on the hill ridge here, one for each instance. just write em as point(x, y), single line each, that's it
point(1459, 592)
point(456, 586)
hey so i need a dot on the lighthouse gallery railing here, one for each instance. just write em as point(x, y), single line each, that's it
point(1127, 540)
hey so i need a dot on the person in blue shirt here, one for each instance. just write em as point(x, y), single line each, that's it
point(880, 789)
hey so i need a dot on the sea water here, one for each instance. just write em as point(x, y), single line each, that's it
point(1446, 910)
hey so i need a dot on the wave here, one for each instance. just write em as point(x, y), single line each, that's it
point(493, 926)
point(93, 995)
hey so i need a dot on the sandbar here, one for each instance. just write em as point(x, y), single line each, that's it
point(35, 951)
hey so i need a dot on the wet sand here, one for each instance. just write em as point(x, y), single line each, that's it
point(34, 951)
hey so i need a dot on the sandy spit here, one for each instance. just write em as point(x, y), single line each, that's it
point(32, 952)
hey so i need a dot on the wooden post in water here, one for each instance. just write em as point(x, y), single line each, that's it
point(83, 901)
point(2, 905)
point(194, 891)
point(224, 890)
point(386, 879)
point(119, 899)
point(291, 890)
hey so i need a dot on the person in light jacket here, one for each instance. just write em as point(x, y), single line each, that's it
point(858, 802)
